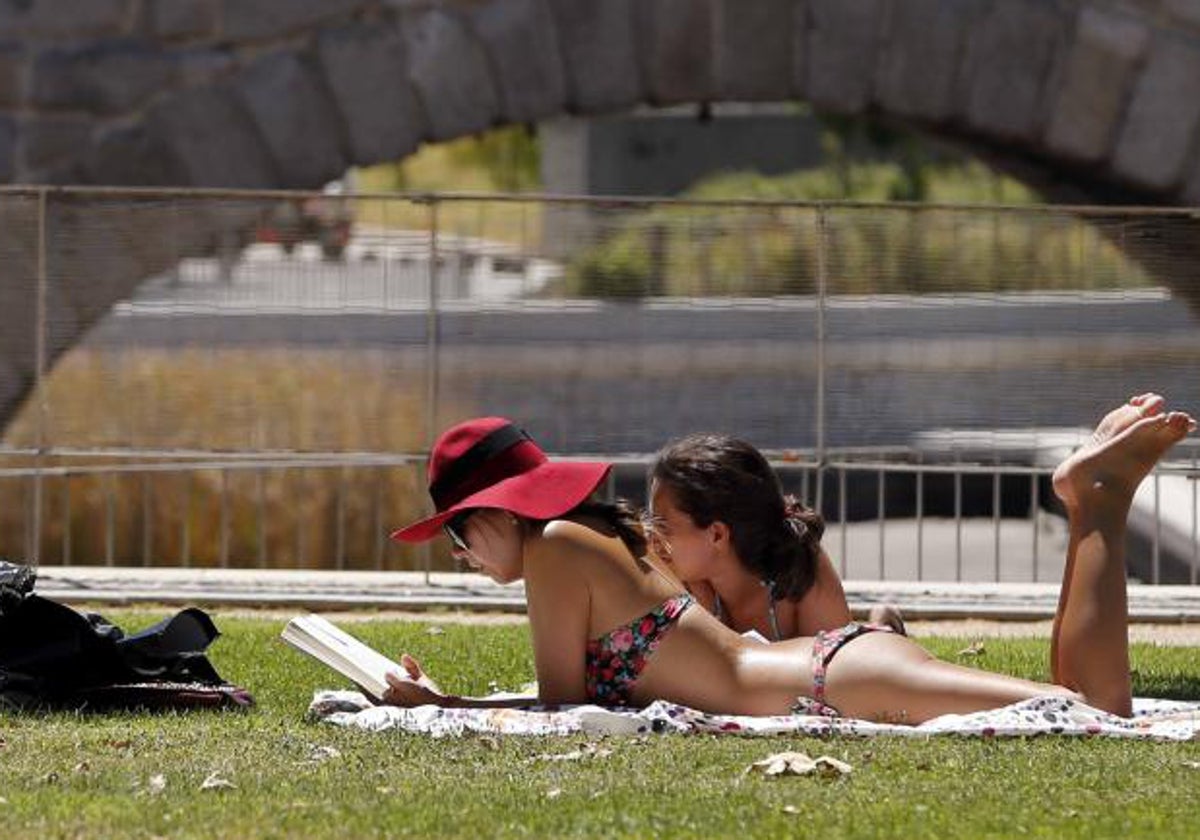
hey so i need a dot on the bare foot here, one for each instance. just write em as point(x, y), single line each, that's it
point(1119, 419)
point(1118, 463)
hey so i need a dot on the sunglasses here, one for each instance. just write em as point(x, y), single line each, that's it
point(455, 529)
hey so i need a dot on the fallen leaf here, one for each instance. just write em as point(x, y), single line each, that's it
point(157, 783)
point(799, 764)
point(490, 741)
point(790, 809)
point(584, 752)
point(974, 649)
point(216, 782)
point(320, 753)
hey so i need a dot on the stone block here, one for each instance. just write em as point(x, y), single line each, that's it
point(250, 20)
point(522, 44)
point(366, 70)
point(295, 117)
point(189, 67)
point(674, 39)
point(12, 75)
point(51, 143)
point(1186, 12)
point(450, 72)
point(1155, 140)
point(173, 19)
point(923, 50)
point(66, 18)
point(211, 140)
point(753, 44)
point(841, 50)
point(599, 54)
point(111, 78)
point(1098, 74)
point(1012, 53)
point(1191, 191)
point(8, 149)
point(130, 155)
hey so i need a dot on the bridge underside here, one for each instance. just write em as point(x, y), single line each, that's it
point(1089, 100)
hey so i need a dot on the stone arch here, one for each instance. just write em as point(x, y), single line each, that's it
point(1093, 97)
point(267, 93)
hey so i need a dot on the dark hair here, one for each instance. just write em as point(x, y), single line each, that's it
point(620, 516)
point(721, 478)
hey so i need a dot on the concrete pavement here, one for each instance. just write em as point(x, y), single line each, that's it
point(328, 590)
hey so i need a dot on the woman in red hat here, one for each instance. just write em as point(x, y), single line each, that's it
point(610, 626)
point(747, 552)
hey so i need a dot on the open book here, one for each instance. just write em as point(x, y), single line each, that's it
point(327, 643)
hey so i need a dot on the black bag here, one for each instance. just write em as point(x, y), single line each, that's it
point(54, 656)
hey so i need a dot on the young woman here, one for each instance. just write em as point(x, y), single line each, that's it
point(747, 552)
point(609, 626)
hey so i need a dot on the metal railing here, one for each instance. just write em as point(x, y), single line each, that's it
point(841, 331)
point(921, 542)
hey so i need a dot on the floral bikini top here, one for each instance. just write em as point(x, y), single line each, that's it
point(613, 662)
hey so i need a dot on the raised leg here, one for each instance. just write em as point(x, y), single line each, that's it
point(884, 676)
point(1090, 639)
point(1113, 423)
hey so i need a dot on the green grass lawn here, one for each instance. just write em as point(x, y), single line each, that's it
point(64, 775)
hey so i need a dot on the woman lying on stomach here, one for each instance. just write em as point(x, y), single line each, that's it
point(610, 626)
point(749, 554)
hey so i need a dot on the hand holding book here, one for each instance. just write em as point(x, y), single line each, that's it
point(412, 686)
point(401, 684)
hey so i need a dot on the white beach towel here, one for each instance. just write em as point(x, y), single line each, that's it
point(1163, 720)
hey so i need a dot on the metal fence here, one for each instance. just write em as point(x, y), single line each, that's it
point(252, 379)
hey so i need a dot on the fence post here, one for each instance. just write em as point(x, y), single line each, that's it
point(39, 385)
point(822, 290)
point(432, 360)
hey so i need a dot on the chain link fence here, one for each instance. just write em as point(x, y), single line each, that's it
point(207, 378)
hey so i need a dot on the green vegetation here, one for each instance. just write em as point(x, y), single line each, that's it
point(638, 251)
point(501, 160)
point(63, 775)
point(772, 250)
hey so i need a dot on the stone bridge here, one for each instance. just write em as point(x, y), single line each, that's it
point(1096, 97)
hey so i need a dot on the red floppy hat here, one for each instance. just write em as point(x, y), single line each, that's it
point(491, 463)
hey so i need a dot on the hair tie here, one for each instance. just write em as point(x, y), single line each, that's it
point(793, 515)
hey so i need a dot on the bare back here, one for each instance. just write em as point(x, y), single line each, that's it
point(582, 584)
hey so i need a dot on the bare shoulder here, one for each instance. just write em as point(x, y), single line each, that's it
point(565, 535)
point(562, 540)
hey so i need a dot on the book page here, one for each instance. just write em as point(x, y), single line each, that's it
point(336, 648)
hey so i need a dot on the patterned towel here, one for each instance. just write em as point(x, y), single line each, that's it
point(1161, 720)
